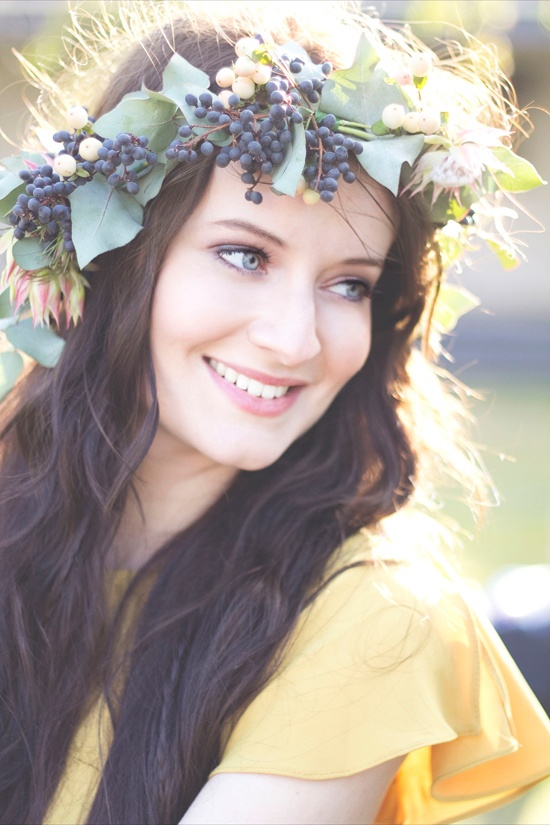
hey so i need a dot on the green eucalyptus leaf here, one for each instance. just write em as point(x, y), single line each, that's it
point(383, 158)
point(150, 183)
point(41, 343)
point(9, 182)
point(452, 303)
point(505, 255)
point(286, 176)
point(149, 93)
point(378, 128)
point(451, 242)
point(16, 163)
point(8, 202)
point(11, 185)
point(11, 365)
point(140, 114)
point(522, 175)
point(179, 79)
point(29, 254)
point(448, 208)
point(180, 73)
point(360, 93)
point(103, 218)
point(6, 309)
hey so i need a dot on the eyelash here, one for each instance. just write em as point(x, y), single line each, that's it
point(369, 291)
point(235, 250)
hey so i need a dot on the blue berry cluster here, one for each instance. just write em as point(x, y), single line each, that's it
point(310, 89)
point(71, 141)
point(123, 152)
point(44, 207)
point(261, 132)
point(327, 160)
point(259, 135)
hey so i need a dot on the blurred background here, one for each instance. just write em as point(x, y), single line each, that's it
point(501, 351)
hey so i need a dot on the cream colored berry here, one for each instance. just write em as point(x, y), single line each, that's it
point(225, 77)
point(64, 165)
point(245, 46)
point(421, 64)
point(88, 149)
point(393, 116)
point(301, 188)
point(261, 74)
point(244, 66)
point(77, 117)
point(244, 87)
point(403, 76)
point(311, 197)
point(410, 123)
point(429, 121)
point(224, 97)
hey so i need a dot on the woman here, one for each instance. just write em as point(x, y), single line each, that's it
point(205, 603)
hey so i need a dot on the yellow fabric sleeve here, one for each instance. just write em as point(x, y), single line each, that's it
point(390, 660)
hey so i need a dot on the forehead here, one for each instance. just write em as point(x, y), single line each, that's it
point(362, 217)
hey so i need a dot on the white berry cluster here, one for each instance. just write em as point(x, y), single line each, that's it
point(394, 116)
point(245, 74)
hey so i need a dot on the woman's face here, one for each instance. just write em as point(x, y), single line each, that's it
point(260, 316)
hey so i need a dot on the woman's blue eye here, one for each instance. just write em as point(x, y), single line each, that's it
point(246, 259)
point(352, 290)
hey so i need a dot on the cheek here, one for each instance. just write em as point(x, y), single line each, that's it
point(184, 311)
point(349, 349)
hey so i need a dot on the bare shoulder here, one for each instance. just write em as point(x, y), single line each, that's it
point(260, 799)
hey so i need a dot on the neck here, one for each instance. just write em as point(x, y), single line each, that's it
point(175, 487)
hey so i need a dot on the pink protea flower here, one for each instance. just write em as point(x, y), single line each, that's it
point(45, 298)
point(48, 292)
point(451, 165)
point(74, 289)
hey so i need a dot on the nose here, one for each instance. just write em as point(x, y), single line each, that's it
point(287, 325)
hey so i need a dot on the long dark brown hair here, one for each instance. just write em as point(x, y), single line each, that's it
point(220, 598)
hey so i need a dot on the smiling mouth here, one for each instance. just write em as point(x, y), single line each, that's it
point(249, 385)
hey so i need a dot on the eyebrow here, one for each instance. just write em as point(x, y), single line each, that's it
point(268, 236)
point(251, 227)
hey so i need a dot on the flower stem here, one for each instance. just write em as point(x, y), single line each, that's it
point(355, 132)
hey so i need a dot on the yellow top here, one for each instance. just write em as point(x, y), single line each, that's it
point(390, 659)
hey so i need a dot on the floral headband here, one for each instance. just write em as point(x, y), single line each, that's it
point(277, 116)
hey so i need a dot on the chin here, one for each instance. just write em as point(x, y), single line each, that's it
point(253, 460)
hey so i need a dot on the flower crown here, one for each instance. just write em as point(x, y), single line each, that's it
point(277, 115)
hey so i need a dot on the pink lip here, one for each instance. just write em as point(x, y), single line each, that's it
point(268, 407)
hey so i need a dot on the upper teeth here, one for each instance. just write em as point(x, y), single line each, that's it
point(243, 382)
